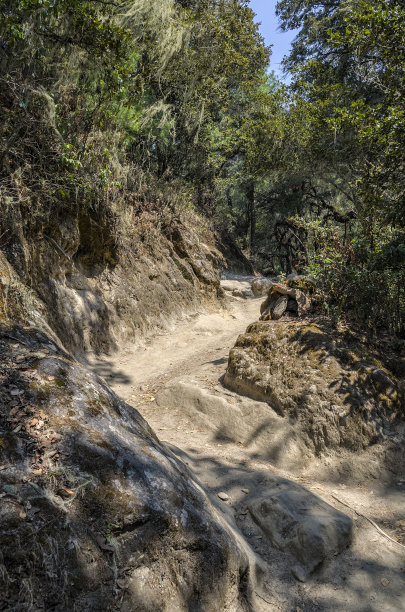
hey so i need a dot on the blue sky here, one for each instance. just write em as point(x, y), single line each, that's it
point(266, 14)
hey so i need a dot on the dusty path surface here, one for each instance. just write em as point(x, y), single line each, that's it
point(198, 344)
point(191, 360)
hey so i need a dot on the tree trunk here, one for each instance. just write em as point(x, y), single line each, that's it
point(252, 215)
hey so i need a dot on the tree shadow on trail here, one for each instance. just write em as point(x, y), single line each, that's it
point(365, 578)
point(108, 370)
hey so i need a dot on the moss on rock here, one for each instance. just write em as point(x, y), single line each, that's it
point(337, 392)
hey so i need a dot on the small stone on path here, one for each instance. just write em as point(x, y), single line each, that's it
point(223, 496)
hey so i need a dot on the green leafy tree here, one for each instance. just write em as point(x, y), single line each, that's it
point(349, 68)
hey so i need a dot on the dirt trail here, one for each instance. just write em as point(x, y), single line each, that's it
point(367, 577)
point(189, 348)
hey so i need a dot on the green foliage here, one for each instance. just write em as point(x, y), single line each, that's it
point(95, 94)
point(150, 106)
point(348, 87)
point(353, 282)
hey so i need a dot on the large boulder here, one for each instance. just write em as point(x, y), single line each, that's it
point(332, 389)
point(303, 303)
point(295, 300)
point(284, 290)
point(261, 286)
point(237, 286)
point(275, 292)
point(276, 309)
point(95, 513)
point(301, 523)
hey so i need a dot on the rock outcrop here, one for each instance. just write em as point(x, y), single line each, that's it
point(239, 288)
point(95, 513)
point(301, 523)
point(98, 293)
point(261, 286)
point(254, 424)
point(330, 387)
point(287, 298)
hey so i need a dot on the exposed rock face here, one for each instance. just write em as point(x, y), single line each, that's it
point(98, 293)
point(286, 299)
point(237, 287)
point(235, 260)
point(279, 307)
point(261, 286)
point(301, 523)
point(324, 383)
point(254, 424)
point(95, 513)
point(303, 303)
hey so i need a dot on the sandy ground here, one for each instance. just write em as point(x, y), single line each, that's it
point(367, 577)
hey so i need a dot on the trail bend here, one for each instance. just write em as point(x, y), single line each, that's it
point(193, 355)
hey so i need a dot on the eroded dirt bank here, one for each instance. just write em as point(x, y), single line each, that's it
point(237, 449)
point(97, 513)
point(97, 290)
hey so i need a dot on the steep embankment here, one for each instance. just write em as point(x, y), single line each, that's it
point(95, 512)
point(99, 289)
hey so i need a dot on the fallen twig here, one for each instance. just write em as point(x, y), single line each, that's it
point(7, 335)
point(266, 600)
point(84, 484)
point(370, 521)
point(47, 524)
point(58, 247)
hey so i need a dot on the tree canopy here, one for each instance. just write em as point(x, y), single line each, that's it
point(108, 105)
